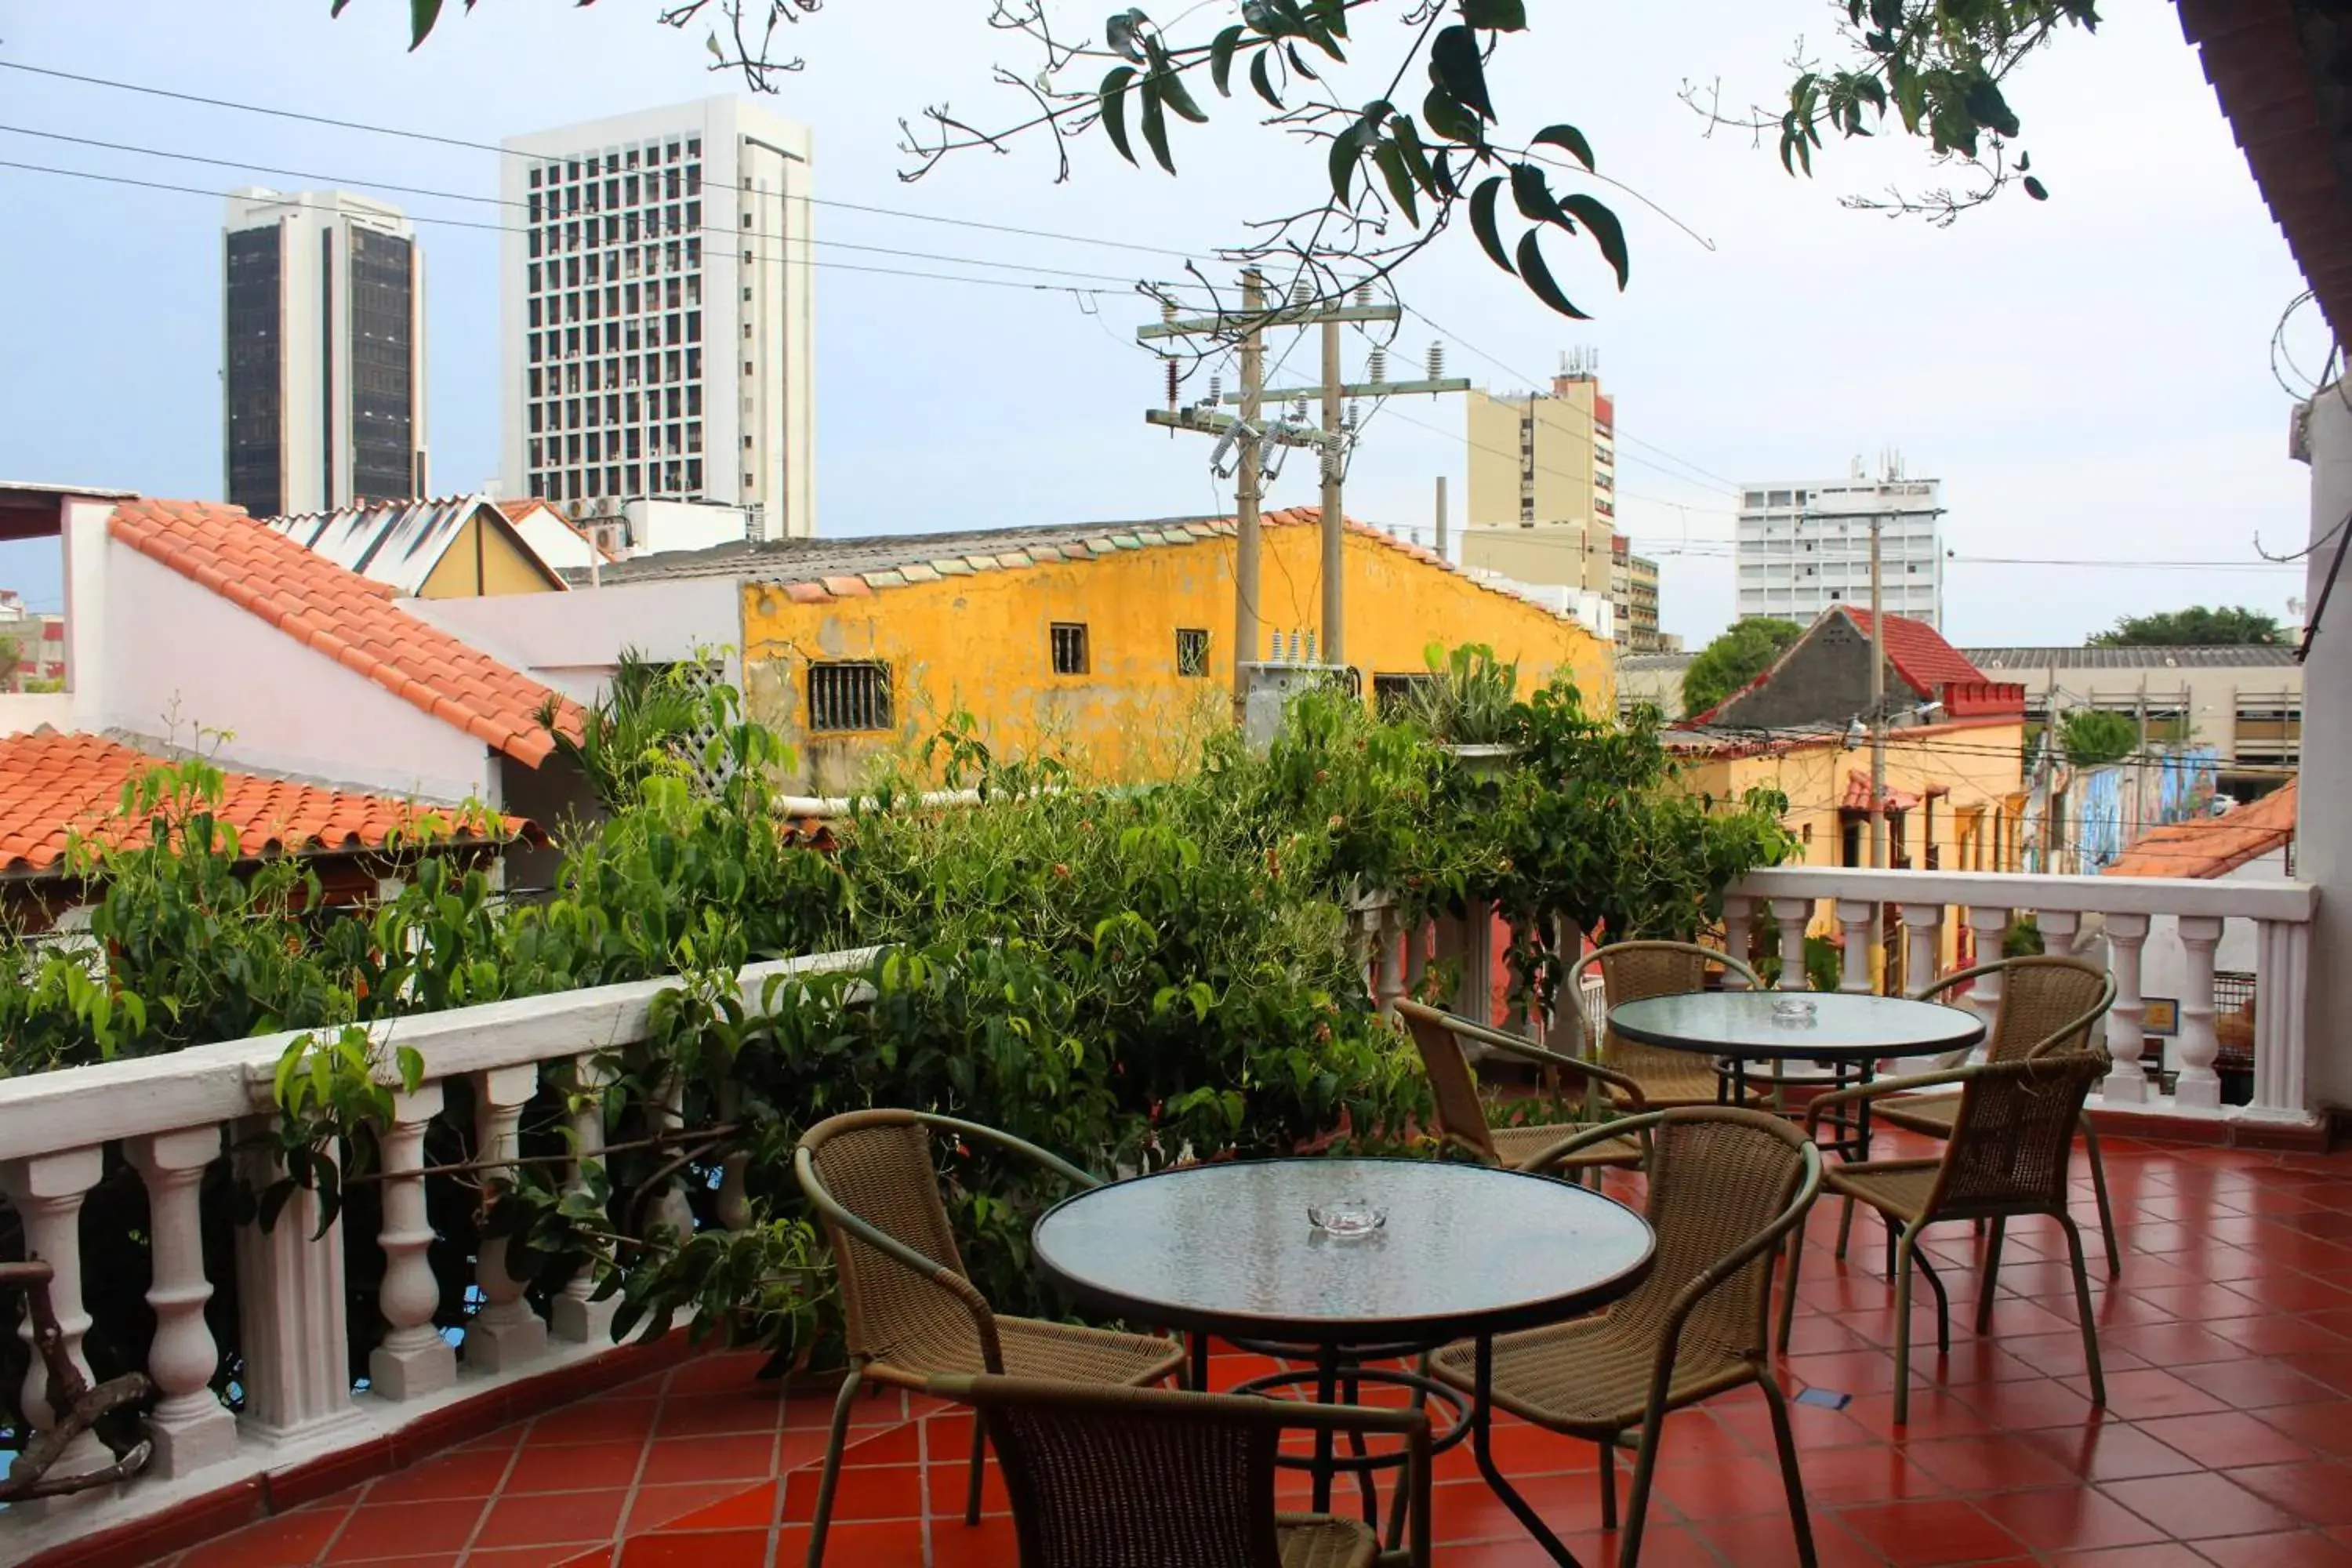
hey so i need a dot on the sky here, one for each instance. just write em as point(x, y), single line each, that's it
point(2092, 378)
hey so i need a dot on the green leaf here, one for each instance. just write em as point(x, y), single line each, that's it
point(1533, 193)
point(1453, 60)
point(1502, 15)
point(1113, 95)
point(1482, 222)
point(1155, 124)
point(1180, 98)
point(1988, 108)
point(1298, 63)
point(2036, 189)
point(1607, 232)
point(1447, 118)
point(1390, 158)
point(422, 15)
point(1569, 139)
point(412, 1067)
point(1221, 57)
point(1262, 81)
point(1539, 275)
point(1342, 163)
point(1416, 158)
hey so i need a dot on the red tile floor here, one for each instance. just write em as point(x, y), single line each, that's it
point(2227, 1439)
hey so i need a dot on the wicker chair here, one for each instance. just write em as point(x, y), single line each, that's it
point(2048, 1005)
point(1135, 1478)
point(909, 1312)
point(1462, 1114)
point(1632, 970)
point(2007, 1155)
point(1726, 1186)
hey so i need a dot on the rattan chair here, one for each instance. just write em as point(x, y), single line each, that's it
point(909, 1312)
point(2007, 1155)
point(1633, 970)
point(1462, 1113)
point(1727, 1186)
point(2048, 1005)
point(1137, 1477)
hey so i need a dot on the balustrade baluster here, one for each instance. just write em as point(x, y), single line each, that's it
point(505, 1333)
point(1857, 925)
point(1991, 929)
point(46, 1192)
point(2197, 1084)
point(733, 1205)
point(2127, 1080)
point(1792, 915)
point(291, 1308)
point(1739, 937)
point(413, 1360)
point(189, 1426)
point(1922, 927)
point(573, 1315)
point(1389, 963)
point(2282, 958)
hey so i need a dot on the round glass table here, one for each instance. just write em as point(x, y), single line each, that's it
point(1848, 1032)
point(1459, 1252)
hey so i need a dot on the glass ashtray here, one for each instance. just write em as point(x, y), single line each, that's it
point(1346, 1217)
point(1795, 1012)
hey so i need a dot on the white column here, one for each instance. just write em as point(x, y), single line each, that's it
point(291, 1314)
point(1991, 928)
point(46, 1192)
point(413, 1358)
point(1923, 926)
point(1858, 922)
point(1793, 915)
point(190, 1427)
point(2197, 1084)
point(573, 1315)
point(1475, 999)
point(2323, 825)
point(505, 1333)
point(1739, 920)
point(1389, 965)
point(2126, 1082)
point(2282, 953)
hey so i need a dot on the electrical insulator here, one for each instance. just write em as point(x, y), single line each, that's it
point(1350, 425)
point(1363, 293)
point(1301, 291)
point(1299, 410)
point(1216, 390)
point(1437, 362)
point(1377, 366)
point(1167, 309)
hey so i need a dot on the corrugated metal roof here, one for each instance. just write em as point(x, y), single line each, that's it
point(396, 543)
point(2233, 656)
point(1666, 661)
point(793, 560)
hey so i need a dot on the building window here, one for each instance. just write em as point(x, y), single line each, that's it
point(849, 695)
point(1191, 650)
point(1069, 644)
point(1394, 695)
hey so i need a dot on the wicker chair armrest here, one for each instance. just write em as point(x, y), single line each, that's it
point(1006, 1140)
point(1525, 1050)
point(1878, 1087)
point(1576, 1142)
point(1958, 978)
point(948, 1279)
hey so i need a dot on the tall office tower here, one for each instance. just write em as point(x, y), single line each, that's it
point(323, 352)
point(1543, 491)
point(1802, 547)
point(657, 314)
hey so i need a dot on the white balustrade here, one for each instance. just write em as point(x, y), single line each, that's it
point(1857, 937)
point(1739, 937)
point(46, 1192)
point(2198, 1084)
point(1791, 915)
point(505, 1333)
point(1990, 929)
point(1923, 932)
point(189, 1426)
point(575, 1314)
point(2126, 1082)
point(733, 1205)
point(413, 1360)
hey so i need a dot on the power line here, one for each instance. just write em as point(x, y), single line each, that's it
point(503, 228)
point(474, 146)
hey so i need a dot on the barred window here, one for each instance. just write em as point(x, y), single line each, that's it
point(1069, 642)
point(1394, 695)
point(849, 695)
point(1191, 650)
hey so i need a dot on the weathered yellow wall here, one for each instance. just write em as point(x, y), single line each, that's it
point(501, 566)
point(980, 643)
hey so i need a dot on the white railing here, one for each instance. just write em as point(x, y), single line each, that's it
point(174, 1116)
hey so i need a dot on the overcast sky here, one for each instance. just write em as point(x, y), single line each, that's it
point(2090, 377)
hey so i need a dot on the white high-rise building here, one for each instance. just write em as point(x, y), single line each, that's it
point(1803, 546)
point(323, 352)
point(658, 322)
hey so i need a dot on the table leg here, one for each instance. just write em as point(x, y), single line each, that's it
point(1348, 1391)
point(1861, 1108)
point(1327, 1370)
point(1200, 1373)
point(1482, 1414)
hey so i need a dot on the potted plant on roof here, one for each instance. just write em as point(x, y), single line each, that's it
point(1469, 703)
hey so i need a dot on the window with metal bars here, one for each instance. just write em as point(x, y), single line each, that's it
point(1191, 650)
point(1069, 644)
point(1394, 695)
point(849, 695)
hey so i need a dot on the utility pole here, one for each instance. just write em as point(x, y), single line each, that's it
point(1245, 495)
point(1441, 517)
point(1334, 511)
point(1877, 706)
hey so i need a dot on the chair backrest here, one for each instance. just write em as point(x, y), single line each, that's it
point(2013, 1134)
point(1635, 970)
point(1720, 1178)
point(1461, 1114)
point(2048, 1005)
point(1133, 1478)
point(877, 1165)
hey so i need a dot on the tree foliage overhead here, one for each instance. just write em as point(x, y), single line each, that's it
point(2200, 625)
point(1412, 135)
point(1734, 659)
point(2091, 737)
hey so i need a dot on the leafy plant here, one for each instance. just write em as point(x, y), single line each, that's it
point(2197, 626)
point(2094, 736)
point(1470, 697)
point(1733, 660)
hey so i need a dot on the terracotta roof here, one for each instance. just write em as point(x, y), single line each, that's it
point(1857, 795)
point(52, 785)
point(347, 618)
point(1917, 651)
point(2209, 846)
point(815, 570)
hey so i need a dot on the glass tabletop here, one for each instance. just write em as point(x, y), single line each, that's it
point(1843, 1023)
point(1228, 1249)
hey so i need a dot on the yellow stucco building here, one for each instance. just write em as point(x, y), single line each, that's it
point(1110, 644)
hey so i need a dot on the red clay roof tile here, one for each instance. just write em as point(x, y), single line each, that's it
point(347, 618)
point(2210, 847)
point(1918, 653)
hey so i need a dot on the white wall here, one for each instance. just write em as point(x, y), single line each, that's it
point(2164, 962)
point(179, 659)
point(2323, 825)
point(574, 641)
